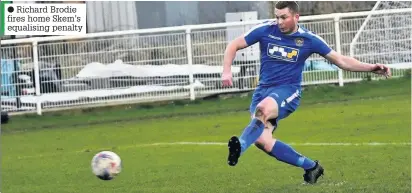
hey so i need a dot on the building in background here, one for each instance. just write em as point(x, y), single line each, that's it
point(104, 16)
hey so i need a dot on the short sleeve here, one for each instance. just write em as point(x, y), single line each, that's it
point(320, 46)
point(255, 33)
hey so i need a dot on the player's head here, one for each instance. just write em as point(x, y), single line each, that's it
point(287, 16)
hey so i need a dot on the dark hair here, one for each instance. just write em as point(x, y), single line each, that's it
point(292, 5)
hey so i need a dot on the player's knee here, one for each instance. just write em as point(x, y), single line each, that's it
point(266, 109)
point(260, 112)
point(265, 144)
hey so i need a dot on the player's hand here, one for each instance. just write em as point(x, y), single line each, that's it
point(382, 70)
point(227, 79)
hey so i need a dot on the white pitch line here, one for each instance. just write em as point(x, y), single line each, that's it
point(216, 144)
point(297, 144)
point(350, 144)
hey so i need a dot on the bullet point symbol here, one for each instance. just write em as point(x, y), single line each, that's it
point(10, 9)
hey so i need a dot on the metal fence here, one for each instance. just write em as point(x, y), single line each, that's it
point(183, 62)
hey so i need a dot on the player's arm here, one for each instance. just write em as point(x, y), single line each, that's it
point(354, 65)
point(241, 42)
point(346, 62)
point(230, 52)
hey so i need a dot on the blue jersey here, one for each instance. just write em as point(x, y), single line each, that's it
point(283, 56)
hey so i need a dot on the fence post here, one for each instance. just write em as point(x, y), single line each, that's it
point(338, 46)
point(37, 76)
point(190, 62)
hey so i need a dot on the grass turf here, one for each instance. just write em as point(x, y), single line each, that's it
point(52, 153)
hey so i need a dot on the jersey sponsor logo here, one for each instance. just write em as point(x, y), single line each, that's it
point(283, 52)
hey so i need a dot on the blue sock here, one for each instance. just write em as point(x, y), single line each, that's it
point(287, 154)
point(251, 133)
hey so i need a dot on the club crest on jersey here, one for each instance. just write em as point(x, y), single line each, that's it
point(299, 41)
point(283, 52)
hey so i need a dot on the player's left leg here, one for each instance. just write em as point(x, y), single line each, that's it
point(285, 153)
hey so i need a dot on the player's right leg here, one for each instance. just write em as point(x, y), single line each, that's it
point(263, 110)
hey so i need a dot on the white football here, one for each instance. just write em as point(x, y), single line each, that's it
point(106, 165)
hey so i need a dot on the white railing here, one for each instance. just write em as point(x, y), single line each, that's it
point(181, 62)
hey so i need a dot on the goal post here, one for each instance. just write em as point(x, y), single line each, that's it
point(385, 38)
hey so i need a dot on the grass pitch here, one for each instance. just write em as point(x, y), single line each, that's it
point(53, 153)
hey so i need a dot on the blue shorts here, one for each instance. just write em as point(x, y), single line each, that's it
point(287, 97)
